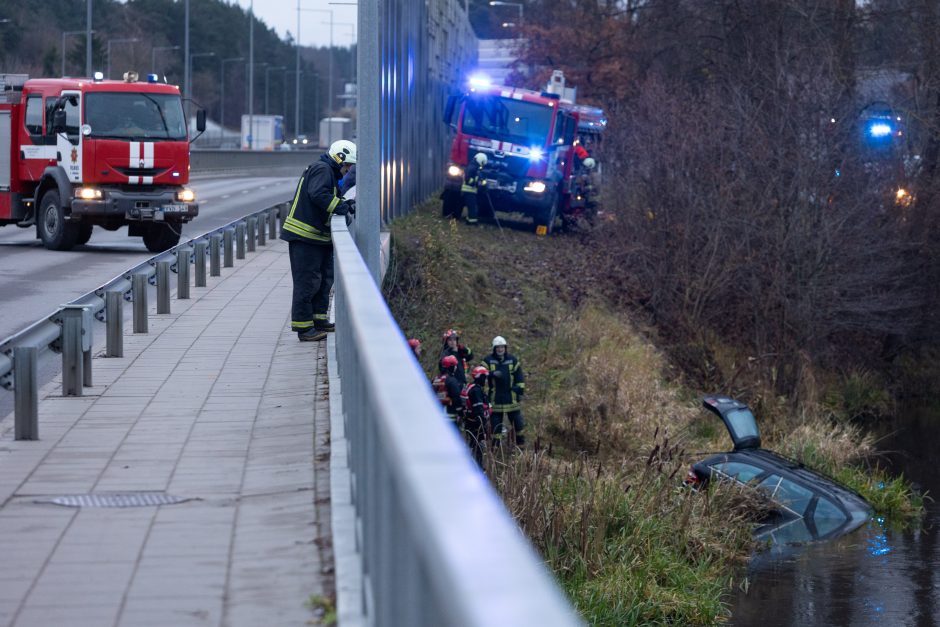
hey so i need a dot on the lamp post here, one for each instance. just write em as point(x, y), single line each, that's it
point(64, 35)
point(250, 71)
point(222, 92)
point(153, 55)
point(88, 32)
point(116, 41)
point(267, 78)
point(330, 103)
point(518, 5)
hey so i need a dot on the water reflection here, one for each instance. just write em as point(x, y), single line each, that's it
point(875, 576)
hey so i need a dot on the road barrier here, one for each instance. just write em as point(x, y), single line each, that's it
point(436, 545)
point(69, 329)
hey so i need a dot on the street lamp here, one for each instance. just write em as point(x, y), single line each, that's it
point(330, 103)
point(64, 35)
point(267, 78)
point(222, 90)
point(153, 56)
point(116, 41)
point(518, 5)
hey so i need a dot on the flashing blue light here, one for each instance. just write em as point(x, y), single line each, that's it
point(152, 78)
point(535, 153)
point(480, 80)
point(879, 129)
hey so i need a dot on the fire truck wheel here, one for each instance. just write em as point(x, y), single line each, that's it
point(54, 231)
point(84, 233)
point(545, 221)
point(159, 237)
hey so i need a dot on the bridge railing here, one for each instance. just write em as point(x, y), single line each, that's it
point(436, 545)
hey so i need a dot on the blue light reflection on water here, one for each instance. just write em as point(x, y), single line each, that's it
point(878, 543)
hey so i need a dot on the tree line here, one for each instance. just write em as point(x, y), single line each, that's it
point(754, 202)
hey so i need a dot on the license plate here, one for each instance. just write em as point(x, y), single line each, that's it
point(175, 209)
point(508, 187)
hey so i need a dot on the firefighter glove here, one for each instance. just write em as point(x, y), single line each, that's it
point(519, 391)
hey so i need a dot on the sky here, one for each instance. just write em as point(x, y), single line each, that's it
point(281, 15)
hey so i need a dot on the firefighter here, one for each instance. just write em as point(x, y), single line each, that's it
point(448, 389)
point(310, 246)
point(415, 345)
point(476, 411)
point(452, 346)
point(506, 389)
point(473, 181)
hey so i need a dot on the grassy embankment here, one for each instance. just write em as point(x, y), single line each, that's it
point(612, 429)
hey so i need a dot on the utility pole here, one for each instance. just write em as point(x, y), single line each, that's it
point(186, 70)
point(88, 70)
point(297, 86)
point(251, 76)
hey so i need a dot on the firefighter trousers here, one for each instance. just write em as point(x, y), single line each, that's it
point(311, 267)
point(515, 419)
point(470, 200)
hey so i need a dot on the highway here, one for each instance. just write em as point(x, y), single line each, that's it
point(35, 281)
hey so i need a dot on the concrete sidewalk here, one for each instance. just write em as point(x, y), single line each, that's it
point(219, 404)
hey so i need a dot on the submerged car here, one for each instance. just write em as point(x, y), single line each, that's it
point(807, 505)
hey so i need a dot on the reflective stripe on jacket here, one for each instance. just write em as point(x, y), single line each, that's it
point(315, 199)
point(503, 388)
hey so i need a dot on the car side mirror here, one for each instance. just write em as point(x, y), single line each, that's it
point(571, 127)
point(58, 121)
point(201, 120)
point(449, 110)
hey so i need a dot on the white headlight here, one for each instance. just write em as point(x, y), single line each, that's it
point(454, 171)
point(88, 193)
point(186, 195)
point(536, 187)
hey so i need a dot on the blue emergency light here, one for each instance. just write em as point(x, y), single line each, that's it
point(535, 153)
point(153, 78)
point(879, 129)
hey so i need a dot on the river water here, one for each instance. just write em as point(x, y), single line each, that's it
point(874, 576)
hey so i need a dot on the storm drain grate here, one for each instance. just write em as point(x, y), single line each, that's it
point(116, 499)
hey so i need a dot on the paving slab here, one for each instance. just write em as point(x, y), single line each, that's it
point(218, 404)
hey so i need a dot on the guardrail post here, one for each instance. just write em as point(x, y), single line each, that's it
point(163, 287)
point(240, 240)
point(182, 272)
point(215, 242)
point(200, 258)
point(26, 391)
point(252, 229)
point(227, 236)
point(114, 315)
point(272, 223)
point(72, 354)
point(262, 231)
point(139, 286)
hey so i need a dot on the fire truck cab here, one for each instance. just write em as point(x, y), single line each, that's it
point(528, 138)
point(77, 153)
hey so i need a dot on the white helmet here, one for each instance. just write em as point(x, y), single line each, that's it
point(343, 151)
point(499, 340)
point(589, 163)
point(480, 158)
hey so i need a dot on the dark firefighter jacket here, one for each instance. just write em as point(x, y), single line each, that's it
point(315, 201)
point(463, 355)
point(472, 178)
point(454, 388)
point(507, 382)
point(476, 403)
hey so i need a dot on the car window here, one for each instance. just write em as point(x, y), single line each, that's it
point(788, 493)
point(33, 118)
point(742, 424)
point(827, 517)
point(738, 470)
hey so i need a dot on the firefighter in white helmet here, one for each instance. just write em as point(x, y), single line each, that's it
point(506, 388)
point(473, 181)
point(310, 246)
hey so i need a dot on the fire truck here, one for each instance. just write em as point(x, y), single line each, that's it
point(82, 152)
point(529, 139)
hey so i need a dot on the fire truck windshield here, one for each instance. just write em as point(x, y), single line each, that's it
point(135, 116)
point(507, 119)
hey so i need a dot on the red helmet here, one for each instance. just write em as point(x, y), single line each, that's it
point(479, 371)
point(449, 362)
point(450, 333)
point(414, 343)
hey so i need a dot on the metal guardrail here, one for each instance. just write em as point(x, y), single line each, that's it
point(437, 546)
point(69, 329)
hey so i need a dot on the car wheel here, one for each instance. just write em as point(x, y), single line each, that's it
point(159, 237)
point(84, 234)
point(55, 231)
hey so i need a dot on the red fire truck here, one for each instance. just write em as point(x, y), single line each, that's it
point(528, 138)
point(80, 152)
